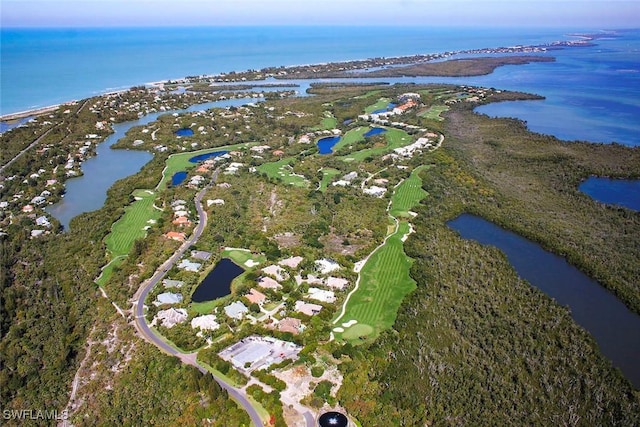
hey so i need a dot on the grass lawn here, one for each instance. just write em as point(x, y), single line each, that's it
point(282, 170)
point(131, 225)
point(381, 104)
point(396, 138)
point(327, 177)
point(205, 307)
point(408, 194)
point(434, 112)
point(180, 162)
point(384, 282)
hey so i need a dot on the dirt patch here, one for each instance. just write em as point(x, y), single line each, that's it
point(344, 245)
point(299, 381)
point(287, 240)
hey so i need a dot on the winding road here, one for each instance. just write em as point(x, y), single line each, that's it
point(149, 335)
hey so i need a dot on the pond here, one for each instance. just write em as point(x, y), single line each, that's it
point(325, 145)
point(184, 132)
point(374, 131)
point(614, 327)
point(178, 177)
point(205, 156)
point(619, 192)
point(217, 284)
point(390, 107)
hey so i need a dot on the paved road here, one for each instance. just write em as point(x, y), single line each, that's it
point(141, 322)
point(37, 141)
point(33, 144)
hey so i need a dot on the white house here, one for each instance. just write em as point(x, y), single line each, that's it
point(167, 298)
point(236, 310)
point(171, 317)
point(375, 191)
point(205, 323)
point(321, 295)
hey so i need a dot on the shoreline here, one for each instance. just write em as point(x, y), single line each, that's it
point(408, 60)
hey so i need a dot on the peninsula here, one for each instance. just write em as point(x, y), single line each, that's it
point(327, 216)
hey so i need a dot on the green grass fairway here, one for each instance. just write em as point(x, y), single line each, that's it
point(369, 94)
point(180, 162)
point(434, 112)
point(107, 270)
point(384, 282)
point(396, 138)
point(408, 194)
point(327, 176)
point(282, 170)
point(240, 257)
point(329, 122)
point(353, 136)
point(384, 279)
point(382, 103)
point(356, 331)
point(131, 225)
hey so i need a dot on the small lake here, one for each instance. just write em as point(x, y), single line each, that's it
point(619, 192)
point(217, 284)
point(390, 107)
point(374, 131)
point(614, 327)
point(184, 132)
point(178, 178)
point(202, 157)
point(325, 145)
point(89, 191)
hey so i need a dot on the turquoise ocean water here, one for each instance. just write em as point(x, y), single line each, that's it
point(595, 90)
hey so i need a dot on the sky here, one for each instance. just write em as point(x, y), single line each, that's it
point(600, 14)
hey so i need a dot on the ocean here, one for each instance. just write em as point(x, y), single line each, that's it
point(592, 92)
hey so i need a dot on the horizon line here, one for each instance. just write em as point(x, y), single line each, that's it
point(314, 25)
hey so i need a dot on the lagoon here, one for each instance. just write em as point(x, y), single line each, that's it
point(89, 191)
point(614, 327)
point(618, 192)
point(217, 284)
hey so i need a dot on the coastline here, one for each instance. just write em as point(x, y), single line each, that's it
point(34, 112)
point(252, 76)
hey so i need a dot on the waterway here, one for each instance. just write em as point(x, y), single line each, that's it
point(619, 192)
point(217, 284)
point(89, 191)
point(614, 327)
